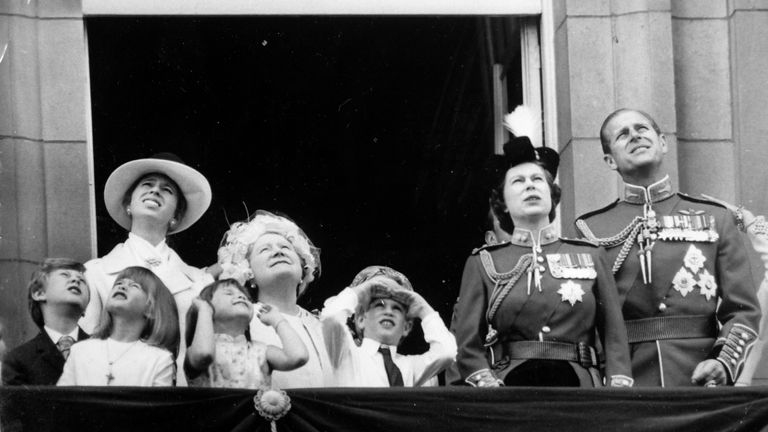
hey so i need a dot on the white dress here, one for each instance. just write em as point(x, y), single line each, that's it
point(133, 364)
point(317, 372)
point(185, 282)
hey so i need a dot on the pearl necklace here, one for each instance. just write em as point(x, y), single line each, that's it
point(110, 363)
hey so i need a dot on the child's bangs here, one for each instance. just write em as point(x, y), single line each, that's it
point(142, 276)
point(208, 292)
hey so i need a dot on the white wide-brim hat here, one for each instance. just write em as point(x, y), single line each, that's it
point(194, 186)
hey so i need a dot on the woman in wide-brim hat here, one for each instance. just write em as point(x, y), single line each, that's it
point(529, 309)
point(151, 198)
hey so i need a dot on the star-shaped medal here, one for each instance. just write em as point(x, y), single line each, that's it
point(707, 284)
point(683, 282)
point(694, 259)
point(571, 292)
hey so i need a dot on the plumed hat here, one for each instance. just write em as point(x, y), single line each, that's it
point(519, 149)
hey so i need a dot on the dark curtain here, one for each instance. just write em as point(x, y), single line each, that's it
point(387, 410)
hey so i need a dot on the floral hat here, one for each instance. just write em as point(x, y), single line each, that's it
point(233, 252)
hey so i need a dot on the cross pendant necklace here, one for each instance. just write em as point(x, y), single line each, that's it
point(110, 363)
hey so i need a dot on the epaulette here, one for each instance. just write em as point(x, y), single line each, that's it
point(700, 200)
point(600, 210)
point(487, 246)
point(580, 242)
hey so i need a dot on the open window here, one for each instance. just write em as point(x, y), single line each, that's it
point(369, 131)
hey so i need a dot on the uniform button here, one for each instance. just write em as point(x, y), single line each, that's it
point(540, 259)
point(549, 236)
point(662, 307)
point(546, 329)
point(542, 268)
point(741, 342)
point(733, 362)
point(744, 336)
point(739, 349)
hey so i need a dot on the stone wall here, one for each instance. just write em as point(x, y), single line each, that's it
point(44, 168)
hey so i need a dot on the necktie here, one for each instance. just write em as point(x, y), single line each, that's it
point(64, 344)
point(393, 372)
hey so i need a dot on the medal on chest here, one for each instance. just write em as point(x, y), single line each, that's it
point(571, 266)
point(571, 292)
point(688, 226)
point(692, 274)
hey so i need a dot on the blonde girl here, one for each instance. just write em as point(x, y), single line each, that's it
point(221, 353)
point(136, 341)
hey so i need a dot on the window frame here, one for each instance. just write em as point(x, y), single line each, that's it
point(537, 44)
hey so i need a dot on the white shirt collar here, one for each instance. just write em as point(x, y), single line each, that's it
point(371, 347)
point(55, 336)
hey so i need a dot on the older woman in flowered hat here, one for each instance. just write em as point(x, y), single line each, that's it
point(277, 259)
point(529, 308)
point(151, 198)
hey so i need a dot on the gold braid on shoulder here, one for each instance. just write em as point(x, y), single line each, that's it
point(503, 285)
point(625, 236)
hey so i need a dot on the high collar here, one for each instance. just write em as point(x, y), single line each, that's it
point(656, 192)
point(524, 237)
point(146, 248)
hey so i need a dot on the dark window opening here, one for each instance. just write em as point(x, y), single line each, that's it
point(370, 132)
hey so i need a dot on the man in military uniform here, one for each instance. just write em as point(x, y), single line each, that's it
point(681, 268)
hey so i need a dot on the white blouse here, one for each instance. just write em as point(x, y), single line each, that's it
point(317, 372)
point(133, 364)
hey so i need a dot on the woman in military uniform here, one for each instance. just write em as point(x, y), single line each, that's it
point(531, 310)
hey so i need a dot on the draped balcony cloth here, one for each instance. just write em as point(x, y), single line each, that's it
point(370, 410)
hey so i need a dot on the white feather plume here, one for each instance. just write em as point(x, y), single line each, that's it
point(524, 121)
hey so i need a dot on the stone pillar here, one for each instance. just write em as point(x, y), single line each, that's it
point(618, 54)
point(703, 93)
point(44, 174)
point(748, 30)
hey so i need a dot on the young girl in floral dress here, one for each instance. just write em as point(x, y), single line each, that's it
point(221, 353)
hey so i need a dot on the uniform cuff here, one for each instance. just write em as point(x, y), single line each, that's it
point(734, 351)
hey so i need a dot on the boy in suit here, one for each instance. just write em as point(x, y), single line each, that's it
point(58, 296)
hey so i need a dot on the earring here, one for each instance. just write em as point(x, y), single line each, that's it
point(128, 210)
point(173, 222)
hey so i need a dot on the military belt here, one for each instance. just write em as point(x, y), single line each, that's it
point(673, 327)
point(580, 353)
